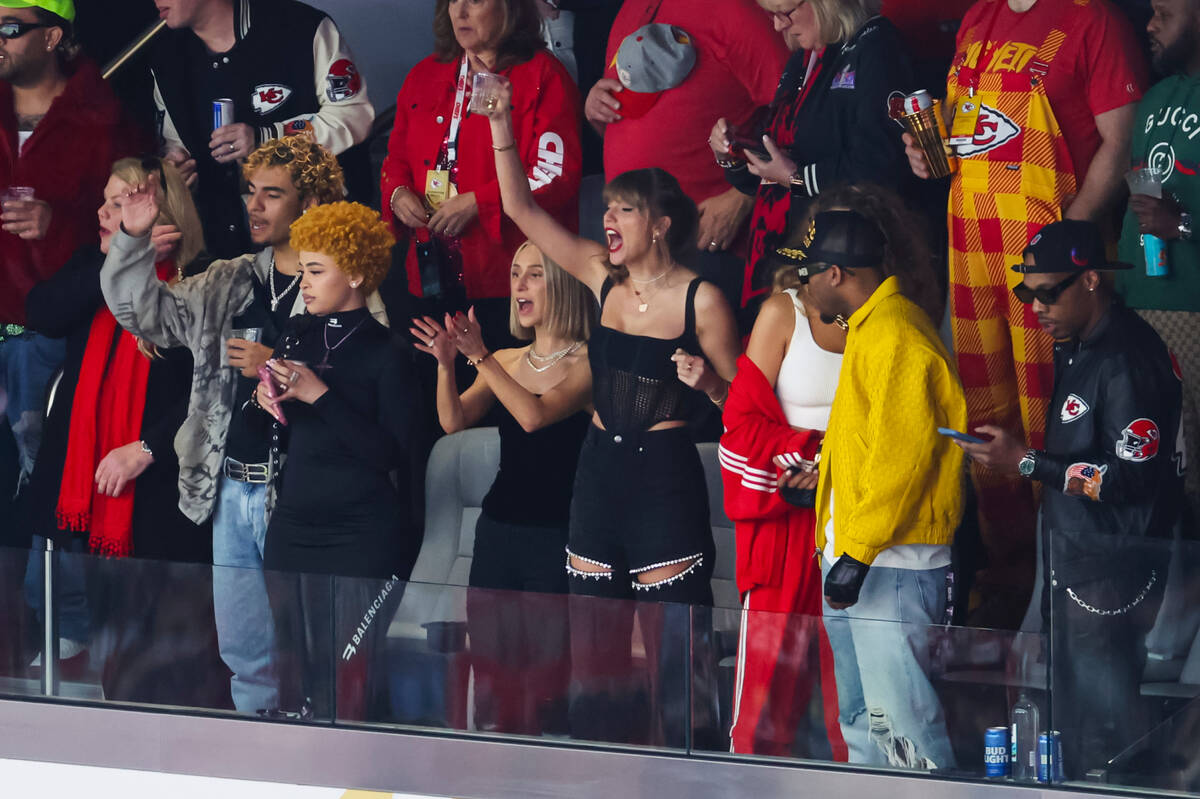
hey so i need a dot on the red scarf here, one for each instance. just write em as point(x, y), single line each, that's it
point(107, 413)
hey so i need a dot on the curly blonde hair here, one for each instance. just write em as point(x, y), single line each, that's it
point(315, 171)
point(352, 235)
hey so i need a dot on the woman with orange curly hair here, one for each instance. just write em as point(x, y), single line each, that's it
point(340, 388)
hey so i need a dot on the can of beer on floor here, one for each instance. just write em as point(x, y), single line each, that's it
point(996, 753)
point(222, 109)
point(1050, 765)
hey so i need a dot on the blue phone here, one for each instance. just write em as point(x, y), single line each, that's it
point(946, 431)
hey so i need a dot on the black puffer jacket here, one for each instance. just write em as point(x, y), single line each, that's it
point(1113, 462)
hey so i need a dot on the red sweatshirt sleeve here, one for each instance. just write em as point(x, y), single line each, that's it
point(396, 172)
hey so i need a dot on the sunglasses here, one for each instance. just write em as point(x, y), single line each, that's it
point(1046, 296)
point(15, 30)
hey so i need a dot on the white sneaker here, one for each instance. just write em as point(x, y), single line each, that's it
point(67, 649)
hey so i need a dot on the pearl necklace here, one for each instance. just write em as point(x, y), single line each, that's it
point(275, 298)
point(553, 359)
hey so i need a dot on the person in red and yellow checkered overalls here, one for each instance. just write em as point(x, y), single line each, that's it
point(1040, 97)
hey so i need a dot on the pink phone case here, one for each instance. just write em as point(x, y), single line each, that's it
point(267, 376)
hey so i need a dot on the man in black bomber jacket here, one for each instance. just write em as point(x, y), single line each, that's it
point(1112, 477)
point(286, 67)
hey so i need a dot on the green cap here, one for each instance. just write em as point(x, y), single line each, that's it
point(64, 8)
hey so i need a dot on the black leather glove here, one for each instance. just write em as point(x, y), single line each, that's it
point(845, 580)
point(799, 497)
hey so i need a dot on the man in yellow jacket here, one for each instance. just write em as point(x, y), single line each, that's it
point(890, 492)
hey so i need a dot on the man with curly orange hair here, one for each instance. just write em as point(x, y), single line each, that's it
point(229, 317)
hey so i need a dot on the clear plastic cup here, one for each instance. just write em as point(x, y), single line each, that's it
point(1148, 181)
point(485, 93)
point(251, 334)
point(17, 194)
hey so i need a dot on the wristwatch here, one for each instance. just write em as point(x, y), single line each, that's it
point(1027, 464)
point(146, 448)
point(1185, 226)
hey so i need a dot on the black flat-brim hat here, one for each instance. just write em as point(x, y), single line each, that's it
point(832, 238)
point(1071, 245)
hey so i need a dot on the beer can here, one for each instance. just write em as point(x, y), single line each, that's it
point(917, 101)
point(1050, 765)
point(222, 109)
point(996, 753)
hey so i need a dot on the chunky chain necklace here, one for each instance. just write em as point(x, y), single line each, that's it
point(553, 359)
point(554, 356)
point(275, 298)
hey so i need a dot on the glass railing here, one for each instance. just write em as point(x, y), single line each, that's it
point(1111, 675)
point(1123, 615)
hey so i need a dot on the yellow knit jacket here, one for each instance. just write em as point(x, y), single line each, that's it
point(897, 480)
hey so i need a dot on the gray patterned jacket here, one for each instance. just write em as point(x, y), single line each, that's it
point(196, 313)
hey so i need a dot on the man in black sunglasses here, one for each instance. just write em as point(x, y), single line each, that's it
point(60, 133)
point(1112, 477)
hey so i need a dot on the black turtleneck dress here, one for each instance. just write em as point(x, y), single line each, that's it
point(338, 511)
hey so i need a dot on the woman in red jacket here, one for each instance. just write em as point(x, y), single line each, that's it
point(439, 179)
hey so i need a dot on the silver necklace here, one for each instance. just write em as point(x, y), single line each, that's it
point(558, 356)
point(554, 356)
point(275, 298)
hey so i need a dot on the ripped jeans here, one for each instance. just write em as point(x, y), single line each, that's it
point(887, 708)
point(640, 504)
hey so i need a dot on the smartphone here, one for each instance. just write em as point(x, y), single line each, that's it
point(740, 145)
point(956, 435)
point(267, 376)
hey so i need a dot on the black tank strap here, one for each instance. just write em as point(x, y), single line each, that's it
point(689, 311)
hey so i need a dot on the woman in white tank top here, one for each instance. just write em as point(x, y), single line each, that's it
point(800, 358)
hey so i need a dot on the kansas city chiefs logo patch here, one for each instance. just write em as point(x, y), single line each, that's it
point(992, 130)
point(269, 96)
point(1073, 409)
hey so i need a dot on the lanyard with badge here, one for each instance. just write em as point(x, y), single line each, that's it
point(966, 109)
point(441, 183)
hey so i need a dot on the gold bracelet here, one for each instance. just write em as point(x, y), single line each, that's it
point(720, 402)
point(510, 146)
point(475, 363)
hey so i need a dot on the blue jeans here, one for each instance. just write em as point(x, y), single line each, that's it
point(27, 362)
point(245, 628)
point(888, 710)
point(70, 587)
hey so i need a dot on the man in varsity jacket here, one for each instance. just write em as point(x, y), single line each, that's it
point(287, 69)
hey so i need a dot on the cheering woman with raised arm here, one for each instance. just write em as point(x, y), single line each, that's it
point(639, 515)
